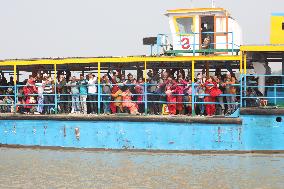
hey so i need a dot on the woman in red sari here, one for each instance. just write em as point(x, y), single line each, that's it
point(181, 85)
point(29, 90)
point(210, 86)
point(171, 97)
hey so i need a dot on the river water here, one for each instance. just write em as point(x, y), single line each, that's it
point(34, 168)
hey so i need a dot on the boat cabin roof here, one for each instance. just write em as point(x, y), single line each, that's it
point(197, 11)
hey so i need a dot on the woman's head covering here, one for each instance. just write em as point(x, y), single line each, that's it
point(115, 88)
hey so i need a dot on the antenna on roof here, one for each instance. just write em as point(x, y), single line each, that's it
point(191, 3)
point(213, 3)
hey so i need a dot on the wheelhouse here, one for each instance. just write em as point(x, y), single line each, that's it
point(192, 28)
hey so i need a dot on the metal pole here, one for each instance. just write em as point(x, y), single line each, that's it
point(194, 44)
point(241, 64)
point(99, 87)
point(245, 78)
point(275, 93)
point(213, 3)
point(232, 43)
point(192, 88)
point(245, 63)
point(55, 87)
point(15, 88)
point(145, 88)
point(241, 90)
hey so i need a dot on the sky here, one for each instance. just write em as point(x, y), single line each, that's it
point(79, 28)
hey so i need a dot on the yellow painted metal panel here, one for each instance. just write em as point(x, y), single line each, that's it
point(277, 33)
point(245, 63)
point(55, 72)
point(263, 48)
point(192, 71)
point(241, 64)
point(145, 72)
point(99, 73)
point(15, 74)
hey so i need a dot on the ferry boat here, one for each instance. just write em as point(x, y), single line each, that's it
point(201, 39)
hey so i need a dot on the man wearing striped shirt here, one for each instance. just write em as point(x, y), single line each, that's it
point(48, 90)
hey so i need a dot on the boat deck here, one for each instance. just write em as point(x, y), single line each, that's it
point(123, 117)
point(148, 118)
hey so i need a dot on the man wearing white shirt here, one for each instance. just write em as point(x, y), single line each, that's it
point(92, 93)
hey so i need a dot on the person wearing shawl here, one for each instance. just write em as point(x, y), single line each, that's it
point(211, 99)
point(116, 106)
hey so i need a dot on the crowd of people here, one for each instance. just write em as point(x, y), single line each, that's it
point(166, 92)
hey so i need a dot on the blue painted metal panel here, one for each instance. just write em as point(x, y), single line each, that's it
point(256, 133)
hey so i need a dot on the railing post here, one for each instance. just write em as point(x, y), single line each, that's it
point(15, 88)
point(192, 88)
point(233, 43)
point(55, 90)
point(99, 88)
point(245, 63)
point(159, 37)
point(245, 78)
point(145, 98)
point(194, 44)
point(275, 94)
point(241, 90)
point(245, 90)
point(145, 89)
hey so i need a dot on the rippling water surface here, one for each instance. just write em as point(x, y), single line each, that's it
point(28, 168)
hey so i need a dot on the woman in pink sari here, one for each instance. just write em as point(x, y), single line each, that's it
point(127, 102)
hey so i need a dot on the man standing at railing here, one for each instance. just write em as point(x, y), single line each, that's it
point(106, 91)
point(230, 91)
point(62, 91)
point(48, 91)
point(83, 93)
point(75, 95)
point(92, 93)
point(200, 91)
point(153, 97)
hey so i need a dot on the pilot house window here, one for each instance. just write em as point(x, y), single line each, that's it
point(185, 25)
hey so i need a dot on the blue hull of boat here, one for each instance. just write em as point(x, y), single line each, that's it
point(257, 132)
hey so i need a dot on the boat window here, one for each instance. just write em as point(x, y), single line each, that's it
point(185, 25)
point(282, 25)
